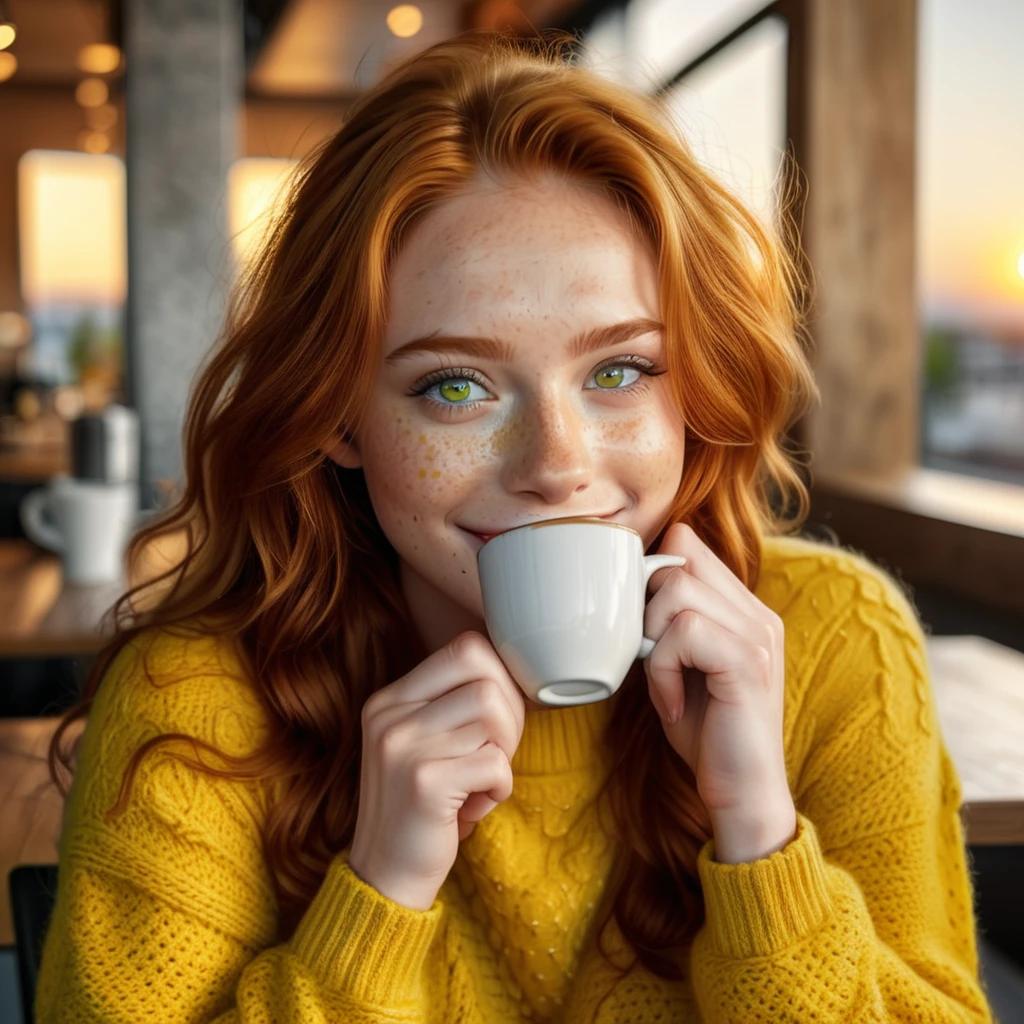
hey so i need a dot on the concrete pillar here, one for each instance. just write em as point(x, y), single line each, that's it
point(184, 81)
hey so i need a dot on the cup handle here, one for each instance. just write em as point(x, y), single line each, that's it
point(35, 525)
point(652, 563)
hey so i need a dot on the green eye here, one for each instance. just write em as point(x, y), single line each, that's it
point(610, 377)
point(454, 390)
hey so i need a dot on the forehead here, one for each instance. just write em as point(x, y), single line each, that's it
point(497, 252)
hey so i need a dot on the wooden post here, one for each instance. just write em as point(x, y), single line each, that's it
point(859, 234)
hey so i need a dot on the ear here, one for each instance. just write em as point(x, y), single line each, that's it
point(345, 452)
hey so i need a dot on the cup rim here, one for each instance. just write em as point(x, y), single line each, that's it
point(568, 520)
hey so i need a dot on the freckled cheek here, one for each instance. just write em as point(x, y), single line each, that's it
point(647, 448)
point(430, 467)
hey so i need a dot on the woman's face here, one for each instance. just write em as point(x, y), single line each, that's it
point(519, 380)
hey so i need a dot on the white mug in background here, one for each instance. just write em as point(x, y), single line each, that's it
point(92, 522)
point(564, 605)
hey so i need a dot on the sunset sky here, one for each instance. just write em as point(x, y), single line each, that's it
point(971, 157)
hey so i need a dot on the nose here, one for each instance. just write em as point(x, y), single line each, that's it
point(547, 453)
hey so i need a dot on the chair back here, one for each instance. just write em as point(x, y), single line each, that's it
point(33, 889)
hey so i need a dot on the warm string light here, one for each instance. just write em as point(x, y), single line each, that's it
point(101, 119)
point(99, 59)
point(93, 95)
point(7, 34)
point(94, 142)
point(405, 20)
point(92, 92)
point(8, 65)
point(15, 330)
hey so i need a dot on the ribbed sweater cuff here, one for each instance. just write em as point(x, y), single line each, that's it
point(363, 944)
point(758, 908)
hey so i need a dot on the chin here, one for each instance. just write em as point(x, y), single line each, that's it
point(456, 599)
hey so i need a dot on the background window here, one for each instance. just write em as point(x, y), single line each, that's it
point(257, 188)
point(732, 110)
point(665, 35)
point(73, 266)
point(970, 224)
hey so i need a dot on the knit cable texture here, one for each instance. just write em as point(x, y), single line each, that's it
point(167, 912)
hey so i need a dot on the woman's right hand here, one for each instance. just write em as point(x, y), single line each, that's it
point(437, 746)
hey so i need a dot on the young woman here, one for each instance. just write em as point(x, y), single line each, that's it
point(308, 789)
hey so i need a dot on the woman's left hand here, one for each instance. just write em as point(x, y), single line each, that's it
point(717, 677)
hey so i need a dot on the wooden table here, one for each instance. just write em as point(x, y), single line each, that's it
point(979, 690)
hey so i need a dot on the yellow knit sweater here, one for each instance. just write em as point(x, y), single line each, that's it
point(167, 913)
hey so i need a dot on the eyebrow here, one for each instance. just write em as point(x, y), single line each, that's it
point(502, 351)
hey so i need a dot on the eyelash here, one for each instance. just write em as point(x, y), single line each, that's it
point(419, 390)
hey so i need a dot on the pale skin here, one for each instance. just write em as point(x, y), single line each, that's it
point(533, 423)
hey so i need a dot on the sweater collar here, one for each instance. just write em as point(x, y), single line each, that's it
point(563, 739)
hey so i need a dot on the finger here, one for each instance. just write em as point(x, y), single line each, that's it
point(485, 771)
point(655, 694)
point(692, 641)
point(689, 714)
point(681, 591)
point(702, 562)
point(667, 692)
point(468, 657)
point(458, 743)
point(481, 704)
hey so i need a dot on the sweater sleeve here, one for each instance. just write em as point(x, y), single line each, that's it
point(166, 912)
point(866, 915)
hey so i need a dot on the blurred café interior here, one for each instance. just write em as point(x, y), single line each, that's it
point(144, 144)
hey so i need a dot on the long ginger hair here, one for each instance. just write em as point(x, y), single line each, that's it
point(282, 552)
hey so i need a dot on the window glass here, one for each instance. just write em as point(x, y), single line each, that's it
point(970, 243)
point(257, 187)
point(73, 264)
point(667, 34)
point(605, 49)
point(732, 110)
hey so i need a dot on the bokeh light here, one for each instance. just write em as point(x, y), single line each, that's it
point(68, 402)
point(92, 92)
point(101, 119)
point(15, 330)
point(405, 20)
point(98, 58)
point(93, 142)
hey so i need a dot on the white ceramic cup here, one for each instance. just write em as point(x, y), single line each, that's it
point(92, 522)
point(564, 605)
